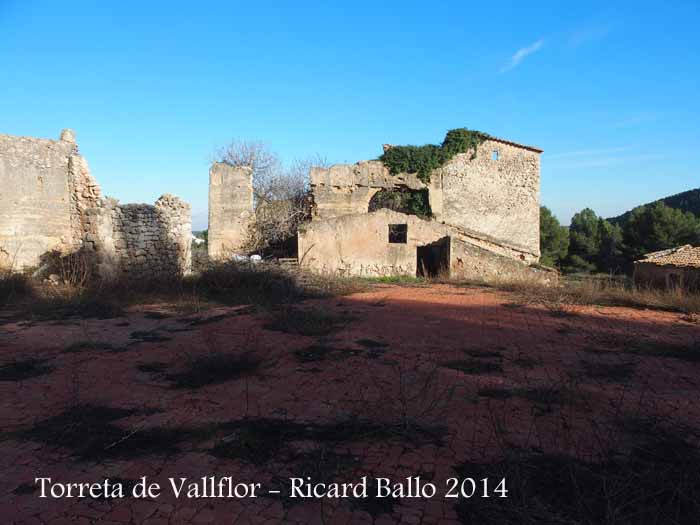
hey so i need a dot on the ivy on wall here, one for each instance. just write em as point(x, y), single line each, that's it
point(403, 200)
point(422, 160)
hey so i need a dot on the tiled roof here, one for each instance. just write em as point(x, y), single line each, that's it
point(511, 143)
point(682, 256)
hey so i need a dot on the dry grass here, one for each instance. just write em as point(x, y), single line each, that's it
point(312, 321)
point(14, 287)
point(597, 291)
point(77, 294)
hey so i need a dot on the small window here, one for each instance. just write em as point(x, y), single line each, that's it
point(494, 155)
point(398, 233)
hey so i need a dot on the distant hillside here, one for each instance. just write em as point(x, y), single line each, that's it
point(686, 201)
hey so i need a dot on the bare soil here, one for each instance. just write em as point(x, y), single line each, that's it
point(437, 381)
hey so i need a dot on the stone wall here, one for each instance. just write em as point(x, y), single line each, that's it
point(473, 262)
point(358, 245)
point(230, 209)
point(49, 201)
point(45, 186)
point(346, 189)
point(497, 199)
point(141, 239)
point(666, 277)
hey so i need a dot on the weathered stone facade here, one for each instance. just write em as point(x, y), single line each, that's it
point(346, 189)
point(360, 245)
point(497, 194)
point(485, 217)
point(230, 209)
point(141, 239)
point(50, 202)
point(673, 268)
point(494, 194)
point(45, 187)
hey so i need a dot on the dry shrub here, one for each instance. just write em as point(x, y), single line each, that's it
point(242, 283)
point(314, 321)
point(332, 284)
point(408, 402)
point(604, 292)
point(655, 480)
point(14, 287)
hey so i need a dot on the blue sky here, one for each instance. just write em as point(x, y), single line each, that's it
point(610, 92)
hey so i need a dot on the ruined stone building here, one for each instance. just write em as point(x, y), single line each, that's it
point(675, 268)
point(484, 218)
point(50, 202)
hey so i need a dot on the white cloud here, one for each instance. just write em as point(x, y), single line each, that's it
point(521, 54)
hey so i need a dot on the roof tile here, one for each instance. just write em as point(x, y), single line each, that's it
point(681, 256)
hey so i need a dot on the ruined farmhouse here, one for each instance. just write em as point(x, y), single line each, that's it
point(50, 203)
point(675, 268)
point(477, 215)
point(483, 218)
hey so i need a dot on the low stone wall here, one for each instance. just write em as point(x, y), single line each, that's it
point(666, 277)
point(141, 239)
point(472, 262)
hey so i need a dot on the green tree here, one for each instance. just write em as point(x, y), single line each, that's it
point(584, 241)
point(658, 227)
point(610, 257)
point(554, 239)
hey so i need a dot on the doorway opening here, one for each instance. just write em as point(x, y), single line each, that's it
point(433, 259)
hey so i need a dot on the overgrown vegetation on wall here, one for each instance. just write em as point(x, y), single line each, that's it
point(403, 200)
point(422, 160)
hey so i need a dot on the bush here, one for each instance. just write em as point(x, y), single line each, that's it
point(234, 283)
point(13, 287)
point(422, 160)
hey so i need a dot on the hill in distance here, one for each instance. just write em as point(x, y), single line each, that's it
point(685, 201)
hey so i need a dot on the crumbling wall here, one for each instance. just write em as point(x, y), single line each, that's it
point(358, 245)
point(346, 189)
point(230, 209)
point(49, 201)
point(141, 239)
point(473, 262)
point(45, 186)
point(494, 195)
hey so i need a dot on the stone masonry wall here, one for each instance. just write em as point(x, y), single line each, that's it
point(496, 199)
point(44, 186)
point(230, 209)
point(346, 189)
point(50, 201)
point(358, 245)
point(141, 239)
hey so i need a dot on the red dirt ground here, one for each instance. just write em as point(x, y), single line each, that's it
point(405, 381)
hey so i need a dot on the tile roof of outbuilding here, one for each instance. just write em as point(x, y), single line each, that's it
point(681, 256)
